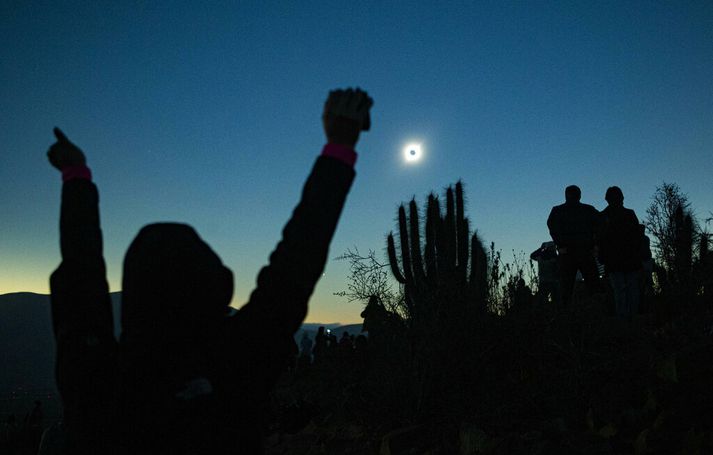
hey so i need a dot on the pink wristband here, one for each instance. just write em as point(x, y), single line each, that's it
point(341, 152)
point(76, 172)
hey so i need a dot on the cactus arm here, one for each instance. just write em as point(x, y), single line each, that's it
point(463, 249)
point(440, 244)
point(405, 252)
point(393, 260)
point(416, 256)
point(450, 232)
point(463, 233)
point(479, 270)
point(430, 247)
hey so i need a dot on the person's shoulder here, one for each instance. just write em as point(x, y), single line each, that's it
point(555, 213)
point(631, 215)
point(589, 208)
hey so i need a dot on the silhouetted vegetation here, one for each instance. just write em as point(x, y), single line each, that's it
point(458, 368)
point(683, 267)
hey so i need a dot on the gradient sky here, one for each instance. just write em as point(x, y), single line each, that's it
point(209, 113)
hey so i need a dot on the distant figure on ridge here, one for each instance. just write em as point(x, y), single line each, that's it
point(320, 345)
point(573, 227)
point(189, 374)
point(621, 253)
point(346, 346)
point(306, 345)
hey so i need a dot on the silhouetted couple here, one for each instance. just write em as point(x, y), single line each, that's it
point(582, 233)
point(188, 375)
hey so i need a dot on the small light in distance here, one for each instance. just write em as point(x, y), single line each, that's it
point(412, 153)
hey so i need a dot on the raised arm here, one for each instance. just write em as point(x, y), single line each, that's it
point(284, 286)
point(81, 308)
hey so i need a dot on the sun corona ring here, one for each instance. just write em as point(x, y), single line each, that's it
point(412, 152)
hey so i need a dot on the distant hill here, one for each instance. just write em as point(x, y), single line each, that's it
point(27, 343)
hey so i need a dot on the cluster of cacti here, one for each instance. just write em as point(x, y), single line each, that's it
point(447, 274)
point(445, 280)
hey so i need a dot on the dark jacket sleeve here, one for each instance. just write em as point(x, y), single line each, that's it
point(82, 317)
point(263, 329)
point(285, 285)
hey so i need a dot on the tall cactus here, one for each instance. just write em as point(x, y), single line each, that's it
point(445, 284)
point(450, 268)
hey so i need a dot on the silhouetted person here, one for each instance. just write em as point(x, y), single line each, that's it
point(346, 347)
point(522, 296)
point(304, 358)
point(361, 344)
point(306, 345)
point(345, 341)
point(189, 375)
point(320, 345)
point(547, 271)
point(621, 252)
point(386, 329)
point(573, 227)
point(376, 321)
point(332, 346)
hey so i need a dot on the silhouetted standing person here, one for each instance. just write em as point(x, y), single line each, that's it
point(189, 375)
point(304, 357)
point(547, 272)
point(361, 347)
point(346, 347)
point(573, 227)
point(345, 342)
point(621, 252)
point(332, 342)
point(320, 345)
point(306, 345)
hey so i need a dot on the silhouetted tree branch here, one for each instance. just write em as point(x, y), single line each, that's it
point(661, 222)
point(368, 277)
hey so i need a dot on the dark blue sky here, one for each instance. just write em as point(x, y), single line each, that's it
point(210, 114)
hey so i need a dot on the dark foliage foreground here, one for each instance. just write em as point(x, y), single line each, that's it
point(537, 380)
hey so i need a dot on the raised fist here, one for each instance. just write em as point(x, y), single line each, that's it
point(63, 153)
point(346, 114)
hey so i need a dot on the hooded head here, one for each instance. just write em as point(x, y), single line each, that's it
point(173, 284)
point(614, 196)
point(572, 194)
